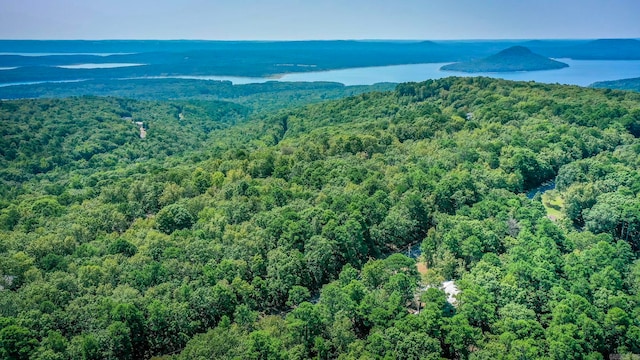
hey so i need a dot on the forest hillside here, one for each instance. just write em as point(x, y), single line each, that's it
point(227, 233)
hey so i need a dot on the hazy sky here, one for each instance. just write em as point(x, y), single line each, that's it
point(318, 19)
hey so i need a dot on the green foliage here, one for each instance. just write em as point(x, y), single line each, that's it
point(261, 97)
point(16, 342)
point(123, 247)
point(281, 235)
point(173, 217)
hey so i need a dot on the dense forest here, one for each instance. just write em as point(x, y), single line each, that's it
point(232, 233)
point(260, 97)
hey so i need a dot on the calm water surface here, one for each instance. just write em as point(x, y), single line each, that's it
point(34, 54)
point(98, 66)
point(579, 72)
point(237, 80)
point(41, 82)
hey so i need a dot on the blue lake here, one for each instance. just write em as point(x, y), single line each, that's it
point(579, 72)
point(36, 54)
point(41, 82)
point(98, 66)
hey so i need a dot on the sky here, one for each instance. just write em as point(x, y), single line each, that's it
point(319, 19)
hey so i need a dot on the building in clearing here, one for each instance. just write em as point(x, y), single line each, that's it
point(451, 290)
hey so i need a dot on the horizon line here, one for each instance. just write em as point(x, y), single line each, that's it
point(330, 39)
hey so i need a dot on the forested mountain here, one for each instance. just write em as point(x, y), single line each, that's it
point(599, 49)
point(61, 136)
point(515, 58)
point(228, 234)
point(265, 96)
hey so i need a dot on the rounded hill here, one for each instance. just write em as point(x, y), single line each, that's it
point(515, 58)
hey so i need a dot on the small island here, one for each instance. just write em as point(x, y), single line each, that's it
point(515, 58)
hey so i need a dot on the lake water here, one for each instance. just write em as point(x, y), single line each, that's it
point(35, 54)
point(579, 72)
point(41, 82)
point(237, 80)
point(98, 66)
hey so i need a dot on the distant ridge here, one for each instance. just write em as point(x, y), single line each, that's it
point(606, 49)
point(615, 42)
point(632, 84)
point(515, 58)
